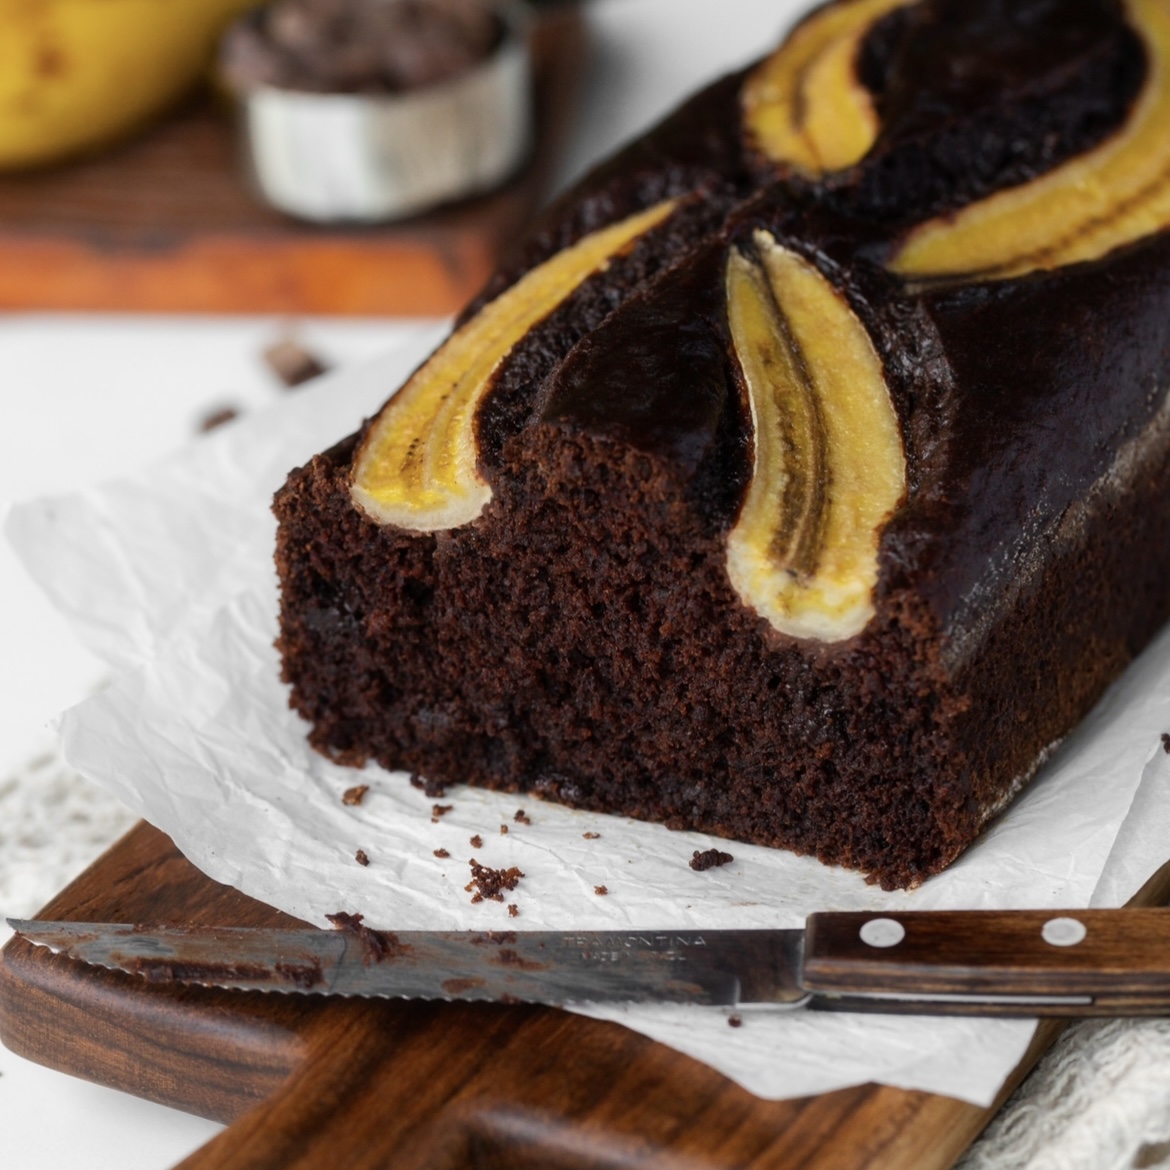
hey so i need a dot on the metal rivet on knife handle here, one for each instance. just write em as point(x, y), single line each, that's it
point(1063, 932)
point(882, 932)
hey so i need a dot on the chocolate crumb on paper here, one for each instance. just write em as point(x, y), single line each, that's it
point(522, 818)
point(488, 883)
point(503, 830)
point(355, 795)
point(292, 363)
point(440, 853)
point(709, 858)
point(734, 1021)
point(361, 857)
point(476, 842)
point(513, 910)
point(591, 836)
point(432, 788)
point(217, 418)
point(1166, 742)
point(439, 810)
point(601, 891)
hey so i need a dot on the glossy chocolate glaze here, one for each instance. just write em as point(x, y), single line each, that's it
point(975, 97)
point(1058, 371)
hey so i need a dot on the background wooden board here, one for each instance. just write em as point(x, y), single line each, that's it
point(316, 1083)
point(166, 222)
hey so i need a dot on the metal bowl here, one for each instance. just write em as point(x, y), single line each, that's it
point(367, 158)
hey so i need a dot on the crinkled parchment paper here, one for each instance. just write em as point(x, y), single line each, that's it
point(168, 574)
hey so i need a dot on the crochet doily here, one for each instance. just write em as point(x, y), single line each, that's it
point(1099, 1100)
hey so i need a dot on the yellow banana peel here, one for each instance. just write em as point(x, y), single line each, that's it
point(76, 74)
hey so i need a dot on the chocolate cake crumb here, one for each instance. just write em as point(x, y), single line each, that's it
point(432, 788)
point(476, 841)
point(361, 857)
point(709, 858)
point(489, 883)
point(292, 363)
point(355, 795)
point(735, 1021)
point(522, 818)
point(503, 830)
point(513, 910)
point(1166, 742)
point(591, 836)
point(378, 946)
point(601, 891)
point(217, 418)
point(441, 853)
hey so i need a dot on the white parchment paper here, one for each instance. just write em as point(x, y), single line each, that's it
point(168, 575)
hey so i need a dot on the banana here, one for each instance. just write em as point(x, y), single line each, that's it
point(77, 74)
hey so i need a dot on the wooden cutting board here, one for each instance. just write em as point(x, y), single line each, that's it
point(167, 223)
point(317, 1084)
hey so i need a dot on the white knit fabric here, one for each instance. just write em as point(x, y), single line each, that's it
point(1100, 1100)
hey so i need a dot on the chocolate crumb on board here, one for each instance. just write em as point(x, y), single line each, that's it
point(601, 891)
point(513, 910)
point(503, 830)
point(734, 1021)
point(440, 853)
point(490, 883)
point(709, 858)
point(522, 818)
point(355, 795)
point(378, 946)
point(361, 857)
point(1166, 742)
point(591, 836)
point(217, 418)
point(439, 810)
point(432, 788)
point(292, 363)
point(476, 841)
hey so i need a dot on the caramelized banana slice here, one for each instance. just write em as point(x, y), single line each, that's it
point(418, 466)
point(829, 466)
point(1110, 196)
point(805, 106)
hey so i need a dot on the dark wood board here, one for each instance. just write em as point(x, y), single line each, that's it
point(166, 223)
point(315, 1084)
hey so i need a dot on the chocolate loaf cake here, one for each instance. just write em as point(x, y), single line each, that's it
point(802, 479)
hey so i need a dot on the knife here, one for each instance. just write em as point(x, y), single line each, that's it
point(1020, 962)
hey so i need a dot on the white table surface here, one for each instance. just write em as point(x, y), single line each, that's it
point(83, 397)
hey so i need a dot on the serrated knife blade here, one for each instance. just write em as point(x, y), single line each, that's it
point(1064, 963)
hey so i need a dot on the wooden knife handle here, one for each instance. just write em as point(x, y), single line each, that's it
point(1045, 962)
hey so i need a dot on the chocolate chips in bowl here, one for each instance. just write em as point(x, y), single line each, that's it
point(369, 110)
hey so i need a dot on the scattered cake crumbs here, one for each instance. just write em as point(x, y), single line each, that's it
point(522, 818)
point(439, 810)
point(490, 883)
point(292, 363)
point(601, 891)
point(476, 842)
point(503, 830)
point(1166, 742)
point(355, 795)
point(441, 853)
point(735, 1021)
point(513, 910)
point(217, 418)
point(361, 857)
point(432, 788)
point(591, 836)
point(709, 858)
